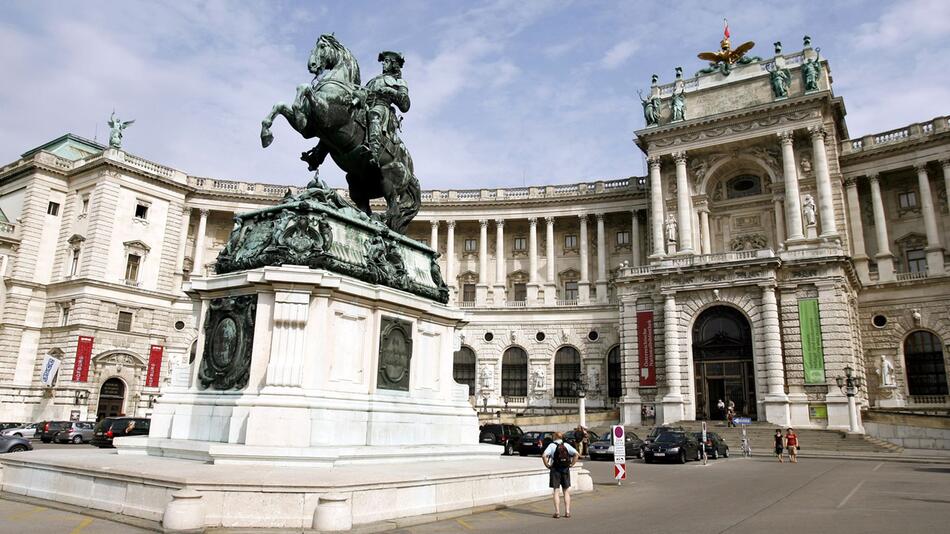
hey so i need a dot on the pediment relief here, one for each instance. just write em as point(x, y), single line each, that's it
point(912, 240)
point(136, 245)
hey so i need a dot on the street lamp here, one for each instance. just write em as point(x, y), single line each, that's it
point(580, 387)
point(485, 394)
point(849, 385)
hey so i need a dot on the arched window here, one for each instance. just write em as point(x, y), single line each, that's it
point(567, 371)
point(463, 368)
point(923, 356)
point(744, 185)
point(514, 373)
point(614, 385)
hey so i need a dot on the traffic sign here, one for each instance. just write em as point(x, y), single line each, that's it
point(620, 472)
point(742, 420)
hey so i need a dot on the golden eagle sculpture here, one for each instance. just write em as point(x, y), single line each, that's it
point(726, 57)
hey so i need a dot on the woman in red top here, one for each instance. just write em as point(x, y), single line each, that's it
point(791, 442)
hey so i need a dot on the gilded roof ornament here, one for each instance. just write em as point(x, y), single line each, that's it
point(726, 57)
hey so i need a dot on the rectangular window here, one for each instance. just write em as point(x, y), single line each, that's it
point(570, 241)
point(74, 263)
point(519, 244)
point(52, 208)
point(916, 261)
point(468, 292)
point(125, 322)
point(65, 318)
point(471, 245)
point(141, 211)
point(132, 268)
point(570, 291)
point(907, 200)
point(521, 292)
point(623, 238)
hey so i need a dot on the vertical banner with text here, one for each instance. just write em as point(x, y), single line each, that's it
point(645, 348)
point(813, 356)
point(83, 355)
point(154, 372)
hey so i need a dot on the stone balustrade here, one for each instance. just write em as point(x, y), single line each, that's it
point(911, 132)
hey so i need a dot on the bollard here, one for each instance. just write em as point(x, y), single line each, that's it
point(185, 512)
point(333, 513)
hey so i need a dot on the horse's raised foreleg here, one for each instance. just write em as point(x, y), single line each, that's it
point(296, 116)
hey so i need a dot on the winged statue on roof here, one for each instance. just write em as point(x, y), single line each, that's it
point(726, 57)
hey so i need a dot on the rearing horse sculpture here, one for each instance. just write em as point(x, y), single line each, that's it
point(333, 108)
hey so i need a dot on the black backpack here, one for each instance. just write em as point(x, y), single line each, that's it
point(562, 458)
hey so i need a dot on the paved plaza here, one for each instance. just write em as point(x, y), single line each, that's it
point(728, 496)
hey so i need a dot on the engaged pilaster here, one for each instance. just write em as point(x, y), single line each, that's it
point(673, 400)
point(858, 252)
point(289, 340)
point(635, 238)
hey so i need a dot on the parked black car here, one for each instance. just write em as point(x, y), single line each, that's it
point(603, 449)
point(677, 446)
point(715, 446)
point(116, 427)
point(505, 435)
point(46, 430)
point(14, 444)
point(534, 442)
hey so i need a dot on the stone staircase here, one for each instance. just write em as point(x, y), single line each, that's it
point(760, 437)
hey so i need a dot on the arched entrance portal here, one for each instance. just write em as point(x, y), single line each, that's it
point(111, 399)
point(722, 360)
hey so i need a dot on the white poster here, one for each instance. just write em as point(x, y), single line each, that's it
point(50, 366)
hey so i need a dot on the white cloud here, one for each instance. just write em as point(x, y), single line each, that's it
point(619, 53)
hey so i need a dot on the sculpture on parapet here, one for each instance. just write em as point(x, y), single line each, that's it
point(115, 130)
point(357, 128)
point(727, 57)
point(780, 79)
point(678, 106)
point(651, 108)
point(811, 72)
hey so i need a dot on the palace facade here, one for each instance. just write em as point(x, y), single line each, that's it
point(766, 252)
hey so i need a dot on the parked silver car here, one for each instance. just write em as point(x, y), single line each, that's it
point(14, 444)
point(25, 431)
point(76, 432)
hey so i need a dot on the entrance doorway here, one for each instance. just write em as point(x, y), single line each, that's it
point(722, 360)
point(111, 399)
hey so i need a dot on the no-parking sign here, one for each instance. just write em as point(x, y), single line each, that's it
point(620, 452)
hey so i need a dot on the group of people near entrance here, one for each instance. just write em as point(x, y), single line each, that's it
point(787, 442)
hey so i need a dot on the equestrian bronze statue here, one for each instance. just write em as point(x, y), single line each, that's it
point(357, 127)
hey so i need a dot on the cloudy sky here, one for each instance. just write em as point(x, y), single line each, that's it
point(504, 93)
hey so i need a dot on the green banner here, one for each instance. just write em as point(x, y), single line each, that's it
point(813, 357)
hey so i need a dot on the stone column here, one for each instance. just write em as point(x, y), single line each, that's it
point(826, 206)
point(946, 179)
point(858, 253)
point(777, 202)
point(288, 340)
point(199, 268)
point(481, 290)
point(934, 248)
point(793, 208)
point(601, 259)
point(656, 209)
point(583, 285)
point(635, 238)
point(450, 259)
point(684, 218)
point(501, 276)
point(885, 261)
point(532, 260)
point(182, 238)
point(434, 236)
point(672, 403)
point(550, 289)
point(776, 402)
point(705, 239)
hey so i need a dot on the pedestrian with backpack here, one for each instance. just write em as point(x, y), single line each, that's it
point(559, 457)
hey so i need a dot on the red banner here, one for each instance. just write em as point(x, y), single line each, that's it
point(83, 355)
point(645, 348)
point(154, 372)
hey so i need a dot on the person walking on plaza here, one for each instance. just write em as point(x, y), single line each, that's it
point(779, 445)
point(559, 457)
point(791, 443)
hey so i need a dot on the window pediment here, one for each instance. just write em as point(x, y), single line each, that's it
point(136, 246)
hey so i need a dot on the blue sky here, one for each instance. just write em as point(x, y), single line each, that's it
point(504, 93)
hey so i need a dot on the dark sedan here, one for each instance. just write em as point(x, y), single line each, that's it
point(677, 446)
point(603, 449)
point(715, 446)
point(14, 444)
point(534, 442)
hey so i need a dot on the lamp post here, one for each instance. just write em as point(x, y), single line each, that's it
point(580, 386)
point(485, 394)
point(849, 385)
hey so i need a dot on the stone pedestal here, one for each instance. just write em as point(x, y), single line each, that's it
point(670, 410)
point(777, 410)
point(798, 410)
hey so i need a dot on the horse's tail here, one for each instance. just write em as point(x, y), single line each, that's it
point(410, 200)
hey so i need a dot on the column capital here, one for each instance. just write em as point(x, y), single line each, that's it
point(500, 223)
point(483, 223)
point(549, 219)
point(786, 137)
point(204, 212)
point(599, 216)
point(778, 197)
point(450, 223)
point(850, 182)
point(768, 286)
point(582, 217)
point(679, 157)
point(816, 131)
point(434, 223)
point(874, 178)
point(920, 166)
point(945, 163)
point(533, 221)
point(653, 162)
